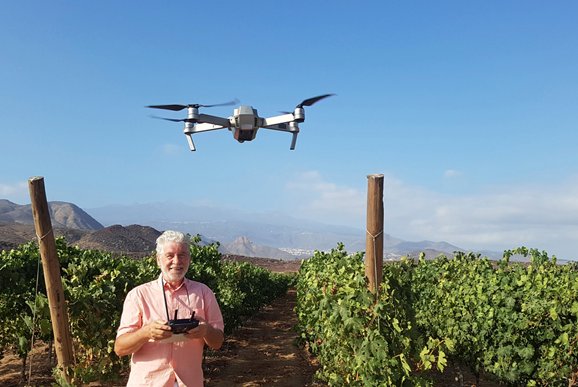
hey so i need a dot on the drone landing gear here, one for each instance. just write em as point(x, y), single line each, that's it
point(190, 140)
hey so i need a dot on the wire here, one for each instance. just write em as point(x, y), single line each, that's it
point(41, 238)
point(374, 238)
point(34, 312)
point(375, 283)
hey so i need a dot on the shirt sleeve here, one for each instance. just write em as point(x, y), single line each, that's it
point(213, 311)
point(131, 318)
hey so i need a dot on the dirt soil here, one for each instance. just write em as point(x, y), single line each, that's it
point(263, 352)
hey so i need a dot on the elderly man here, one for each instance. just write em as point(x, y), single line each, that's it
point(159, 356)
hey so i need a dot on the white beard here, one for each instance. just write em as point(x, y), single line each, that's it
point(171, 276)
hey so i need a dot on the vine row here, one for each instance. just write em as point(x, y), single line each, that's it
point(515, 321)
point(95, 285)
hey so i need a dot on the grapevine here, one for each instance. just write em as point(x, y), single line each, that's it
point(95, 285)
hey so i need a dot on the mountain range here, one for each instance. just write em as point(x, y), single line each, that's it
point(234, 228)
point(133, 229)
point(62, 215)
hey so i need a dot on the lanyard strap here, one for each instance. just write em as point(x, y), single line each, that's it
point(165, 298)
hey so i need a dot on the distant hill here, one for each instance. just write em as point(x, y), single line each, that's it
point(262, 229)
point(62, 214)
point(129, 240)
point(239, 233)
point(14, 234)
point(244, 247)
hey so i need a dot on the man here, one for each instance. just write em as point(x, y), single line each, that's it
point(159, 357)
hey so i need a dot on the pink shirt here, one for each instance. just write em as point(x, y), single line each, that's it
point(161, 364)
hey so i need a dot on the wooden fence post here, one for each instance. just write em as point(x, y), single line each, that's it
point(374, 233)
point(52, 278)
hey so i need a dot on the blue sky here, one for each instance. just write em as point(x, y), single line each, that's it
point(469, 109)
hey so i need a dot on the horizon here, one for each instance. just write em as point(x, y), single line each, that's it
point(127, 215)
point(468, 109)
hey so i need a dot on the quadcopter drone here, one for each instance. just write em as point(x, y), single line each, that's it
point(244, 123)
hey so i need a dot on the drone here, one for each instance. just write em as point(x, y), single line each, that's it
point(244, 123)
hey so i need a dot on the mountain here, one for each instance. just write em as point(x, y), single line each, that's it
point(17, 223)
point(62, 214)
point(134, 229)
point(14, 234)
point(132, 240)
point(226, 225)
point(6, 206)
point(116, 238)
point(244, 247)
point(233, 228)
point(404, 247)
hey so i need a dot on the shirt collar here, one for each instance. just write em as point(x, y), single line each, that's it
point(167, 287)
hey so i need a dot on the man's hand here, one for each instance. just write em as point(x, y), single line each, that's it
point(212, 337)
point(199, 332)
point(131, 342)
point(157, 330)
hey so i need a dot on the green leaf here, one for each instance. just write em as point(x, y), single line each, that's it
point(442, 361)
point(553, 313)
point(574, 308)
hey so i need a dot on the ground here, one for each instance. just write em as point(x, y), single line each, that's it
point(263, 352)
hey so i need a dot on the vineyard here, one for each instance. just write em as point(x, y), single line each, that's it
point(516, 322)
point(95, 285)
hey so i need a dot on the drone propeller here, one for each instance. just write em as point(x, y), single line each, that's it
point(176, 108)
point(311, 101)
point(174, 119)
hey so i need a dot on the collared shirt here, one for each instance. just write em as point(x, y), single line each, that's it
point(163, 364)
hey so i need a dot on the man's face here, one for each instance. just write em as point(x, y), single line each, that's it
point(174, 261)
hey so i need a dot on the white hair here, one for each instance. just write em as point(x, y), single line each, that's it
point(171, 236)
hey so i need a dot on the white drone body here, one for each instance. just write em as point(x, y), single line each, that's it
point(244, 123)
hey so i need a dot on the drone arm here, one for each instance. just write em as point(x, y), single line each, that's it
point(216, 121)
point(276, 120)
point(204, 128)
point(279, 127)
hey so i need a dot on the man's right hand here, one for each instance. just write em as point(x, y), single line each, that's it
point(157, 330)
point(131, 342)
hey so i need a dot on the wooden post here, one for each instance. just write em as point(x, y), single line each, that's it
point(374, 233)
point(52, 279)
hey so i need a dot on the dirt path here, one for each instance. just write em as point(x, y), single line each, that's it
point(263, 352)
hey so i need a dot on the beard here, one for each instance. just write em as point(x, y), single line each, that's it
point(174, 276)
